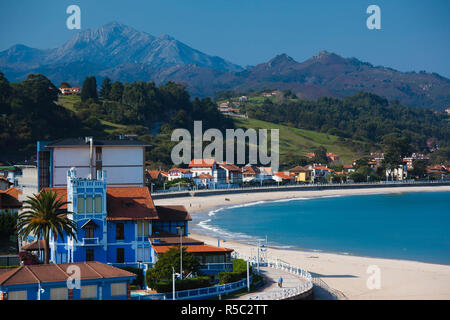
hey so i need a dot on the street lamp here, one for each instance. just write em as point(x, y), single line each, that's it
point(180, 231)
point(173, 282)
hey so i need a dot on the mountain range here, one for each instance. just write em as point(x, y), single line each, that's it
point(124, 54)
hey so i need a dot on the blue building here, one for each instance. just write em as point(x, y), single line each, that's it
point(121, 226)
point(97, 281)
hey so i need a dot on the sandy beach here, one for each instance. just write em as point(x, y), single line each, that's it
point(400, 279)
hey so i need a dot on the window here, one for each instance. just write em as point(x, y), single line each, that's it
point(89, 254)
point(120, 255)
point(58, 294)
point(89, 205)
point(142, 226)
point(146, 223)
point(120, 231)
point(139, 228)
point(98, 204)
point(89, 292)
point(80, 205)
point(98, 154)
point(89, 232)
point(118, 289)
point(17, 295)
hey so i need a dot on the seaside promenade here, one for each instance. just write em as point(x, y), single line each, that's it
point(270, 290)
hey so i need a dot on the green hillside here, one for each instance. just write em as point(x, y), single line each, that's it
point(298, 141)
point(292, 140)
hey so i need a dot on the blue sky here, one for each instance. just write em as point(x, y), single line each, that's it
point(414, 35)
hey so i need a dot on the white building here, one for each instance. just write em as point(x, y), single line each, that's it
point(208, 167)
point(122, 159)
point(178, 173)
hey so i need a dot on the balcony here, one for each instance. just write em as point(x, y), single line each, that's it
point(90, 242)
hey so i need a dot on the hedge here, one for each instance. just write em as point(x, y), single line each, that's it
point(185, 284)
point(239, 272)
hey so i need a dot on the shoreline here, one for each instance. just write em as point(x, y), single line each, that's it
point(400, 279)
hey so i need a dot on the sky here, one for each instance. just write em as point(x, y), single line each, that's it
point(414, 34)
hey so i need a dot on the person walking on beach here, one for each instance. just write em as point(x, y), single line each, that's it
point(280, 282)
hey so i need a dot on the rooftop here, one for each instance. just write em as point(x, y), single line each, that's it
point(81, 142)
point(134, 203)
point(43, 273)
point(202, 163)
point(9, 199)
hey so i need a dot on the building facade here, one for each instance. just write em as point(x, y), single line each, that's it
point(122, 159)
point(50, 282)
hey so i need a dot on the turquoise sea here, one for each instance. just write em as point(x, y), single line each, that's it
point(411, 226)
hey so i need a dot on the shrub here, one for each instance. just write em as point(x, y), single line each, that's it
point(138, 272)
point(239, 272)
point(27, 258)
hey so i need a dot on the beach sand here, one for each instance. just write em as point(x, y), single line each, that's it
point(399, 279)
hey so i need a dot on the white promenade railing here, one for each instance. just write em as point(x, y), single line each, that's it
point(285, 293)
point(196, 294)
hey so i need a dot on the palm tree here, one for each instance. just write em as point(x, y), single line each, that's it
point(44, 213)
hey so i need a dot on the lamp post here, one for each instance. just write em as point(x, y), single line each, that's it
point(173, 283)
point(180, 231)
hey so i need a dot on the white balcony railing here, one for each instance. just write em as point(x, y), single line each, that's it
point(90, 241)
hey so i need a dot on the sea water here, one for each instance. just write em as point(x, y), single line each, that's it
point(411, 226)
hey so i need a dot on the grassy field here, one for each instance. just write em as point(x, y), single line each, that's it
point(299, 141)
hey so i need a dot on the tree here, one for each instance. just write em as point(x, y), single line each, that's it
point(65, 85)
point(419, 168)
point(44, 216)
point(5, 94)
point(162, 269)
point(105, 90)
point(396, 147)
point(39, 90)
point(89, 89)
point(116, 91)
point(321, 155)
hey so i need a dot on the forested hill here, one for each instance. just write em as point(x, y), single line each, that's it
point(30, 111)
point(363, 116)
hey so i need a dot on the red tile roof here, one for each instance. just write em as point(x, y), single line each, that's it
point(154, 174)
point(283, 176)
point(58, 273)
point(124, 203)
point(230, 167)
point(135, 203)
point(130, 203)
point(323, 168)
point(201, 163)
point(249, 170)
point(182, 170)
point(9, 199)
point(204, 176)
point(33, 246)
point(298, 169)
